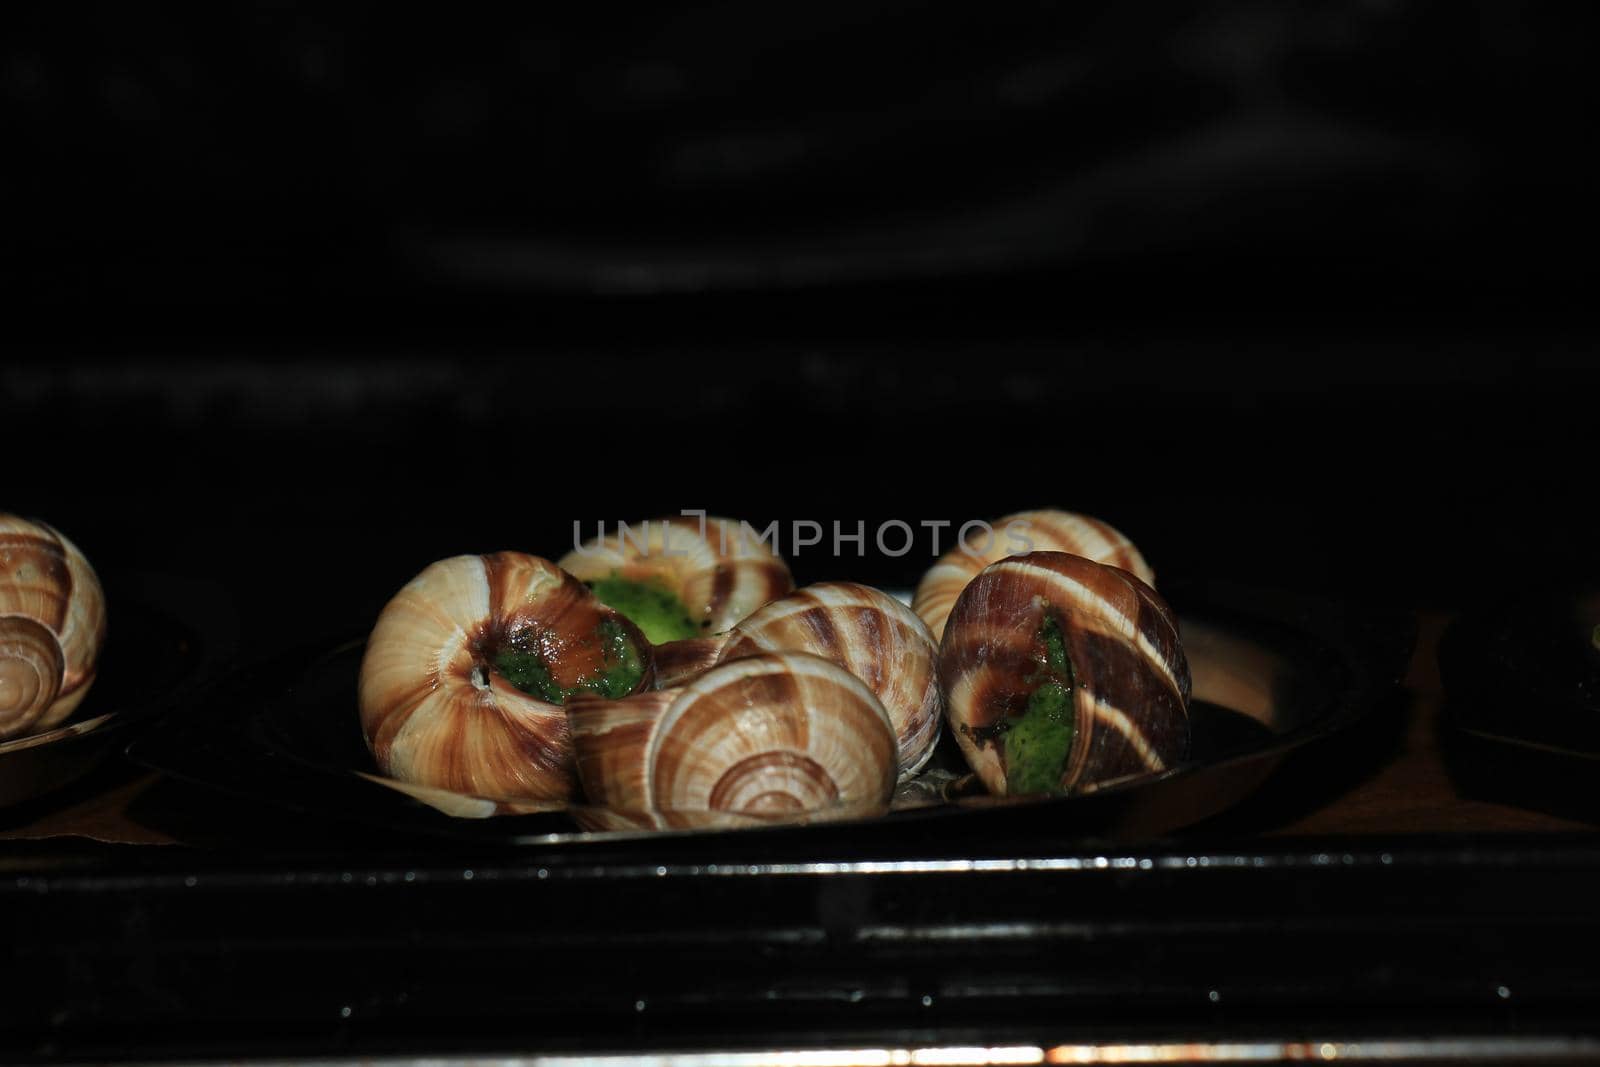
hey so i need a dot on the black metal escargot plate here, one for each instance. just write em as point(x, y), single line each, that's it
point(1272, 673)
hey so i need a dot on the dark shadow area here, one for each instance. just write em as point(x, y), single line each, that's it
point(302, 300)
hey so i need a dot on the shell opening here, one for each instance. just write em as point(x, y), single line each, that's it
point(1037, 745)
point(531, 662)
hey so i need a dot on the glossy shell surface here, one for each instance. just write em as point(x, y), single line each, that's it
point(52, 626)
point(1131, 681)
point(434, 710)
point(767, 736)
point(716, 567)
point(870, 634)
point(1017, 534)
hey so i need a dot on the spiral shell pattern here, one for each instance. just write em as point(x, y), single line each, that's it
point(767, 736)
point(31, 668)
point(1130, 680)
point(52, 626)
point(1025, 531)
point(719, 571)
point(870, 634)
point(436, 712)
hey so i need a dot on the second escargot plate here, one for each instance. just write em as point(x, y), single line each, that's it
point(1272, 673)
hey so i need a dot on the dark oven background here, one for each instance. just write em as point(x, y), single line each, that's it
point(1295, 294)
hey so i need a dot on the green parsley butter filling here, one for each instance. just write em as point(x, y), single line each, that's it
point(619, 673)
point(649, 605)
point(1038, 743)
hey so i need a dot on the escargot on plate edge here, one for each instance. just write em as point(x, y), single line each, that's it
point(52, 626)
point(1062, 674)
point(467, 669)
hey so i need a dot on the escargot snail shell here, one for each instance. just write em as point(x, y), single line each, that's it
point(679, 661)
point(719, 571)
point(435, 709)
point(773, 734)
point(868, 633)
point(52, 626)
point(1122, 692)
point(1026, 531)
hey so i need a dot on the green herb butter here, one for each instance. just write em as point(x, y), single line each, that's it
point(619, 673)
point(650, 606)
point(527, 671)
point(623, 664)
point(1055, 648)
point(1038, 743)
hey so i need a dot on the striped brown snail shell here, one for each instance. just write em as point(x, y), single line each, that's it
point(52, 626)
point(678, 577)
point(1062, 674)
point(467, 669)
point(870, 634)
point(1025, 531)
point(772, 735)
point(679, 661)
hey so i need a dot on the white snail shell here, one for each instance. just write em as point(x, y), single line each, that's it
point(719, 572)
point(436, 712)
point(1044, 531)
point(52, 626)
point(771, 735)
point(870, 634)
point(1126, 687)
